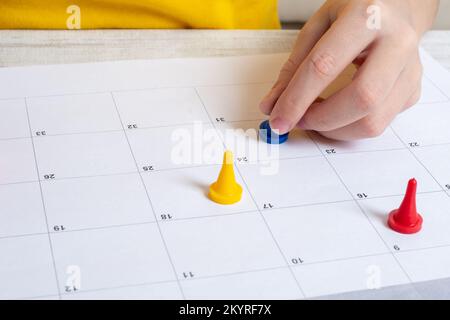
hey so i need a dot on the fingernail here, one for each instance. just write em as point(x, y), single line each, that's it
point(281, 125)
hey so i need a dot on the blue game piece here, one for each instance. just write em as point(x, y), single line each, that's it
point(267, 135)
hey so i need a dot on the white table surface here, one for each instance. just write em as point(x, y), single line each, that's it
point(19, 48)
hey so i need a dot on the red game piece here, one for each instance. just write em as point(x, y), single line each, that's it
point(406, 219)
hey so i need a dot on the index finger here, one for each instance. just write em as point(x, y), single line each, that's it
point(313, 30)
point(340, 45)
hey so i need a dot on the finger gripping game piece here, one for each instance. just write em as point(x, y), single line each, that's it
point(406, 219)
point(226, 190)
point(268, 135)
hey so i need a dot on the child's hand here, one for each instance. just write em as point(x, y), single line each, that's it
point(387, 82)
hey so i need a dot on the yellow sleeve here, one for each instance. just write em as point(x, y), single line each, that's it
point(151, 14)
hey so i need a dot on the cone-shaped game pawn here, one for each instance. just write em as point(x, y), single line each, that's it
point(406, 219)
point(226, 190)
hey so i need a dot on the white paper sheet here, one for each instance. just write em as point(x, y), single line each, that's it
point(98, 198)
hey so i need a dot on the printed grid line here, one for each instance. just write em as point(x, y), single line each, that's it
point(52, 252)
point(205, 166)
point(150, 201)
point(228, 274)
point(139, 90)
point(183, 167)
point(180, 123)
point(420, 162)
point(365, 215)
point(212, 216)
point(14, 138)
point(214, 125)
point(189, 124)
point(439, 89)
point(139, 170)
point(302, 292)
point(406, 146)
point(281, 208)
point(295, 206)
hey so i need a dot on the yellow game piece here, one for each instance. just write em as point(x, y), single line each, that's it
point(226, 190)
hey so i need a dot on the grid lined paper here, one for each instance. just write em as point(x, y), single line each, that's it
point(87, 182)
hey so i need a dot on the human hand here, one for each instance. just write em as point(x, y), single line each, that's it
point(388, 79)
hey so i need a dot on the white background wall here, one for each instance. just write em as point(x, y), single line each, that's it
point(300, 10)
